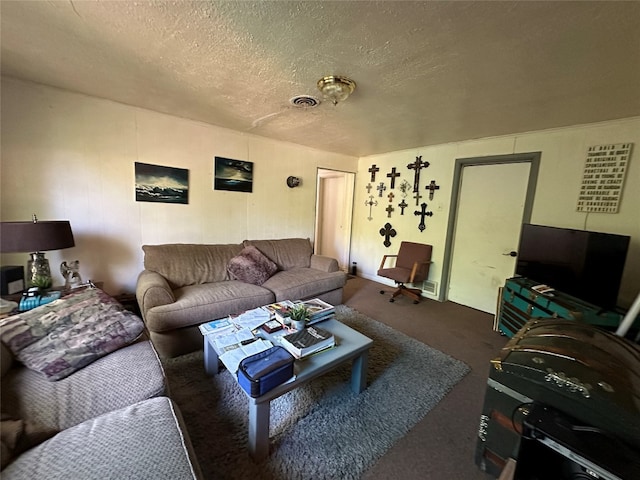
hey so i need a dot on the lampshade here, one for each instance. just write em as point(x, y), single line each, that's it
point(35, 236)
point(336, 88)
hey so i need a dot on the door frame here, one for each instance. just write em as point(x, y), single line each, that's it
point(533, 158)
point(322, 173)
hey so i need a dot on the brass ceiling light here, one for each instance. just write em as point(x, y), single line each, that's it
point(336, 88)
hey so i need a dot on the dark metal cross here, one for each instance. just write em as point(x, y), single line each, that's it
point(392, 175)
point(371, 203)
point(417, 166)
point(390, 197)
point(432, 187)
point(402, 206)
point(423, 213)
point(373, 170)
point(381, 188)
point(369, 187)
point(389, 209)
point(387, 232)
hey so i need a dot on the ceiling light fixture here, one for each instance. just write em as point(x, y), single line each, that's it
point(336, 88)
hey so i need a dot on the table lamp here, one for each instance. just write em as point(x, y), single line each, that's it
point(36, 237)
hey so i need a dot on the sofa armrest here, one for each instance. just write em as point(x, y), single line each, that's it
point(152, 290)
point(324, 263)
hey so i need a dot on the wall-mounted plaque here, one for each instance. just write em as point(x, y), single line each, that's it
point(603, 178)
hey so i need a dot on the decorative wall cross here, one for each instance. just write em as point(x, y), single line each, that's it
point(392, 175)
point(432, 187)
point(371, 203)
point(369, 187)
point(390, 197)
point(389, 209)
point(387, 232)
point(373, 170)
point(417, 166)
point(423, 213)
point(404, 188)
point(402, 206)
point(417, 196)
point(381, 188)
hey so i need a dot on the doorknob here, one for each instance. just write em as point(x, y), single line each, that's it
point(511, 254)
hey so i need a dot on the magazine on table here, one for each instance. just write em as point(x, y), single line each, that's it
point(251, 319)
point(307, 341)
point(279, 310)
point(217, 327)
point(232, 340)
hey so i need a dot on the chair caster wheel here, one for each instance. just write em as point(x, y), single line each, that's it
point(381, 292)
point(392, 300)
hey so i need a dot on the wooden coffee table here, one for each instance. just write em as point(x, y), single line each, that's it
point(351, 346)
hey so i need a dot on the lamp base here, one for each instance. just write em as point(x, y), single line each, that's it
point(39, 273)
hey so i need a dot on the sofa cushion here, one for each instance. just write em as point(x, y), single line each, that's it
point(286, 253)
point(122, 378)
point(301, 283)
point(251, 266)
point(61, 337)
point(17, 436)
point(197, 304)
point(188, 264)
point(142, 441)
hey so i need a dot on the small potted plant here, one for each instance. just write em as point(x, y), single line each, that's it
point(299, 315)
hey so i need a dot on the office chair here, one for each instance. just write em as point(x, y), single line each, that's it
point(412, 265)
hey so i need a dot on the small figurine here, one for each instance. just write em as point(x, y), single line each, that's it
point(71, 273)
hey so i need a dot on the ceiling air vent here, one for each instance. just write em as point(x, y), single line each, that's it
point(304, 101)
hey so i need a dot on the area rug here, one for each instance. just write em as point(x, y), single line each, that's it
point(321, 430)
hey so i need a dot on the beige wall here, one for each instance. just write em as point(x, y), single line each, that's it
point(71, 157)
point(68, 156)
point(562, 162)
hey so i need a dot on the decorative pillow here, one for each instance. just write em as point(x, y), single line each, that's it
point(63, 336)
point(251, 266)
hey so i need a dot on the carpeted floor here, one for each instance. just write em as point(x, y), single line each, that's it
point(442, 445)
point(320, 430)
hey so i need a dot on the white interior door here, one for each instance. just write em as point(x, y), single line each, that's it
point(491, 203)
point(334, 206)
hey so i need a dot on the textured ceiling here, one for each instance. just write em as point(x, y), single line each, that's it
point(427, 72)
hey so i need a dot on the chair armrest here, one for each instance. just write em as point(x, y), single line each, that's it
point(384, 259)
point(152, 290)
point(415, 269)
point(324, 263)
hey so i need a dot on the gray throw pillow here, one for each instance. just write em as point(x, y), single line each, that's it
point(251, 266)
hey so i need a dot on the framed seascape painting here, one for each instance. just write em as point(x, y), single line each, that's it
point(233, 175)
point(156, 183)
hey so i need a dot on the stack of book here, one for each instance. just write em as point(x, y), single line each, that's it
point(319, 309)
point(307, 341)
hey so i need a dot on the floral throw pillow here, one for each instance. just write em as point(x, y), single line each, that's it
point(251, 266)
point(63, 336)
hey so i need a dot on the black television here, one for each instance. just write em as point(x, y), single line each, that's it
point(587, 265)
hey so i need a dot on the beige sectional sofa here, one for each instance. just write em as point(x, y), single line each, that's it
point(108, 419)
point(184, 285)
